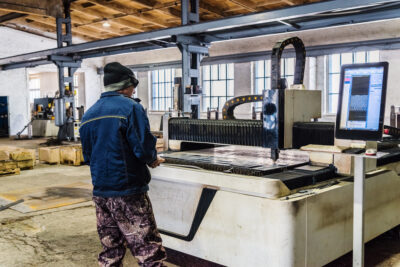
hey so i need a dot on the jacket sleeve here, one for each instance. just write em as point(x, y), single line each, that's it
point(139, 136)
point(86, 145)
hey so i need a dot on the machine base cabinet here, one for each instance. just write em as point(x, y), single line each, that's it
point(254, 228)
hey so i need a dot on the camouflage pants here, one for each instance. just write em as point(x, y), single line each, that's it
point(128, 219)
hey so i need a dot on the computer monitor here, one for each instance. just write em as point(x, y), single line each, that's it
point(362, 97)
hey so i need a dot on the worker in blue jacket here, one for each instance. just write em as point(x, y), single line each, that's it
point(118, 146)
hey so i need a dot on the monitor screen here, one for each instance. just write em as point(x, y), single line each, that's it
point(362, 101)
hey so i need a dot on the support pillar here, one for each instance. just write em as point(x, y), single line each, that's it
point(192, 49)
point(67, 66)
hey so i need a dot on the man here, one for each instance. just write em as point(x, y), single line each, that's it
point(117, 143)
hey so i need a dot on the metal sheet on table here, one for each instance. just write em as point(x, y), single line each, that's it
point(238, 159)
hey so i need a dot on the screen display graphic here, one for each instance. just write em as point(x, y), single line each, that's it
point(362, 98)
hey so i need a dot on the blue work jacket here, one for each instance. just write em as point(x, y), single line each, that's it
point(118, 145)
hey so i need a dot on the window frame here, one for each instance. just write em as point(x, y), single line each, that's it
point(33, 92)
point(207, 100)
point(329, 73)
point(267, 77)
point(167, 85)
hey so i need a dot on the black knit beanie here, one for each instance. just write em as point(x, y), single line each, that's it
point(118, 77)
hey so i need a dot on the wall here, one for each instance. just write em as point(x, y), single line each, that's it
point(48, 84)
point(315, 68)
point(14, 83)
point(393, 92)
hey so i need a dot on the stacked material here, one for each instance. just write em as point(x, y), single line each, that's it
point(160, 145)
point(14, 159)
point(67, 155)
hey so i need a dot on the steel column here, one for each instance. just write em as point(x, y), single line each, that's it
point(65, 64)
point(358, 212)
point(192, 49)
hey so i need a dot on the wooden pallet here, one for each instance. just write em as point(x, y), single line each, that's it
point(71, 155)
point(49, 155)
point(10, 171)
point(14, 159)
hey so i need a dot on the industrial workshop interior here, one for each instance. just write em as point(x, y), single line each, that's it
point(200, 133)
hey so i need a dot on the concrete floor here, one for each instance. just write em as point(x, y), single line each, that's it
point(67, 236)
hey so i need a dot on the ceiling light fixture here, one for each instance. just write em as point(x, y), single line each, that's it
point(106, 24)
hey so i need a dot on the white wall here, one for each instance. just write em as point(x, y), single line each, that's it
point(48, 83)
point(14, 83)
point(93, 81)
point(393, 89)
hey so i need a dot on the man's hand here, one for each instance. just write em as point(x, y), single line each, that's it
point(157, 162)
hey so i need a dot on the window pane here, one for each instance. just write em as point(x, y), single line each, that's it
point(334, 80)
point(168, 75)
point(347, 58)
point(267, 72)
point(360, 57)
point(259, 69)
point(230, 88)
point(289, 66)
point(334, 63)
point(214, 102)
point(155, 76)
point(161, 90)
point(161, 76)
point(222, 101)
point(259, 85)
point(290, 80)
point(267, 83)
point(373, 56)
point(218, 88)
point(168, 91)
point(230, 71)
point(168, 103)
point(214, 72)
point(333, 103)
point(222, 71)
point(206, 72)
point(206, 88)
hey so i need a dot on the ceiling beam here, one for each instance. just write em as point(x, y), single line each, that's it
point(54, 8)
point(293, 2)
point(212, 9)
point(83, 13)
point(27, 30)
point(81, 16)
point(45, 27)
point(249, 5)
point(132, 12)
point(145, 3)
point(11, 16)
point(92, 32)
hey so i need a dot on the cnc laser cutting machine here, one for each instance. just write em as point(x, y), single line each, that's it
point(243, 192)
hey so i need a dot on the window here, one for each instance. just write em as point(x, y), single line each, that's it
point(135, 95)
point(335, 62)
point(217, 85)
point(162, 89)
point(263, 75)
point(34, 88)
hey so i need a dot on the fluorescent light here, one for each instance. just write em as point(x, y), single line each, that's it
point(106, 24)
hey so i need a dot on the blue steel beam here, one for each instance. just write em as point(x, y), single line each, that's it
point(285, 14)
point(309, 24)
